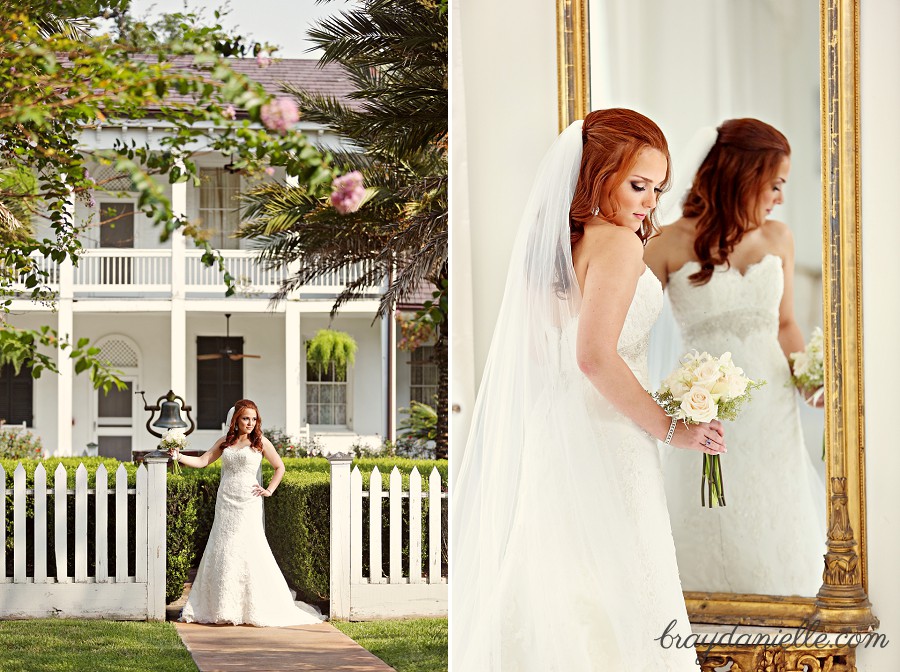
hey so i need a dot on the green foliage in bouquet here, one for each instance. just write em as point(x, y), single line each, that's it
point(727, 409)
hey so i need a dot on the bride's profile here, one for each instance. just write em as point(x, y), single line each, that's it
point(563, 556)
point(728, 268)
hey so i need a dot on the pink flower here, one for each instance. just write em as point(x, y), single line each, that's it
point(348, 192)
point(270, 171)
point(229, 112)
point(263, 61)
point(280, 115)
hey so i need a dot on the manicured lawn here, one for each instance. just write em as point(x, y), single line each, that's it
point(63, 644)
point(418, 645)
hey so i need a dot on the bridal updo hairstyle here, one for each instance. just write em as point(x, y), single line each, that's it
point(233, 432)
point(611, 141)
point(727, 186)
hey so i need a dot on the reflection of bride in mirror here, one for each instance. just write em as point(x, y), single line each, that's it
point(729, 272)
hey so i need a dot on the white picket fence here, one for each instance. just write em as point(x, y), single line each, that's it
point(399, 593)
point(71, 592)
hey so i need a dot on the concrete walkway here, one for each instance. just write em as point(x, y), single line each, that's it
point(302, 647)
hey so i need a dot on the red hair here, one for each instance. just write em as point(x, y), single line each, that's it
point(612, 140)
point(233, 432)
point(745, 157)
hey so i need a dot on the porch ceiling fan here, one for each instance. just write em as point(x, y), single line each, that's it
point(227, 351)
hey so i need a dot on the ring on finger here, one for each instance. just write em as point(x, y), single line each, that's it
point(707, 442)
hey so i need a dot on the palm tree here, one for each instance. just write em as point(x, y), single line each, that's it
point(395, 53)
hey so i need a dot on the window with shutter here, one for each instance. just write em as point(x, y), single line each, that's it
point(16, 395)
point(220, 382)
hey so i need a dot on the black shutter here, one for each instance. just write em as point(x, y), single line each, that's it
point(220, 382)
point(16, 396)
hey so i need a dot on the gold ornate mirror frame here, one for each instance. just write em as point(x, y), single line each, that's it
point(842, 603)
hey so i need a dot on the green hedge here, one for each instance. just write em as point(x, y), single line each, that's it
point(297, 516)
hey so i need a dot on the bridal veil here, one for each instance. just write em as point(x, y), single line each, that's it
point(543, 560)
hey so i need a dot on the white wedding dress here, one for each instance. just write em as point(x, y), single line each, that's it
point(238, 580)
point(581, 588)
point(770, 536)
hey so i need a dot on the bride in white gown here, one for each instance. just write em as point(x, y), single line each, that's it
point(728, 269)
point(562, 551)
point(238, 580)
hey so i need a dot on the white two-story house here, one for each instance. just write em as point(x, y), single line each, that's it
point(159, 316)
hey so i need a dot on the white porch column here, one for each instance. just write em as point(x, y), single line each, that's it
point(294, 369)
point(178, 347)
point(65, 381)
point(389, 376)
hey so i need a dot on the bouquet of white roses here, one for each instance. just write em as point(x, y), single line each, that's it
point(808, 366)
point(706, 388)
point(174, 439)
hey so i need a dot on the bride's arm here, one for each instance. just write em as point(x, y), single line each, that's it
point(790, 338)
point(789, 335)
point(204, 460)
point(275, 460)
point(614, 265)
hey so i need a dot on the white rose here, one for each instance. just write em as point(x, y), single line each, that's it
point(731, 386)
point(698, 405)
point(707, 374)
point(676, 385)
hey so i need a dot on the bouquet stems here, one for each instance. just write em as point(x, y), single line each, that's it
point(176, 467)
point(711, 482)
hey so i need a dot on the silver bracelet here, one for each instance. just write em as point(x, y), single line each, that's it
point(671, 431)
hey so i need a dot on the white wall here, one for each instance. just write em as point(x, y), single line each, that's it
point(510, 94)
point(880, 90)
point(511, 120)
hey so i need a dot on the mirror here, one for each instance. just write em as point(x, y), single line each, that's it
point(793, 65)
point(756, 59)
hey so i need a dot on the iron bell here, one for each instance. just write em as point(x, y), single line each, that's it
point(170, 416)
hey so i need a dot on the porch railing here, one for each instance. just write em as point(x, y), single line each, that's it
point(129, 272)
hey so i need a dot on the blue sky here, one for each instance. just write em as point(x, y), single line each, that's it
point(282, 22)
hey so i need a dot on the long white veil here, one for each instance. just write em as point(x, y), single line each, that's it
point(540, 550)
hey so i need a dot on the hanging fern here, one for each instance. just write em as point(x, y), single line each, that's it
point(331, 347)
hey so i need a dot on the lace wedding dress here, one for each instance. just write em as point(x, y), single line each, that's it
point(238, 580)
point(588, 578)
point(770, 537)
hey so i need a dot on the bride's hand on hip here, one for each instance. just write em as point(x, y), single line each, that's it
point(707, 437)
point(259, 491)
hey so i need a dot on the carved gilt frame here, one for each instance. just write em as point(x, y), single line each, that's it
point(842, 603)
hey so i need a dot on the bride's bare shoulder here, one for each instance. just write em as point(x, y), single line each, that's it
point(610, 240)
point(607, 247)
